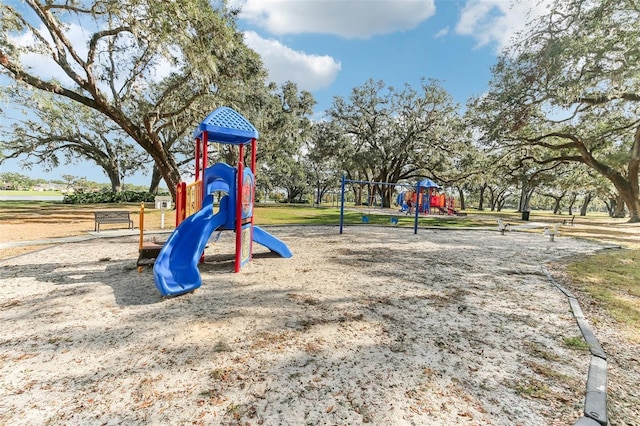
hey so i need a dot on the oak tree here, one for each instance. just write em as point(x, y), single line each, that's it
point(150, 67)
point(570, 85)
point(57, 131)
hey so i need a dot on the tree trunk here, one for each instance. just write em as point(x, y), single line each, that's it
point(481, 201)
point(627, 188)
point(492, 199)
point(633, 199)
point(387, 196)
point(324, 189)
point(585, 204)
point(357, 192)
point(461, 195)
point(114, 178)
point(525, 198)
point(572, 201)
point(617, 207)
point(168, 168)
point(611, 206)
point(629, 197)
point(156, 178)
point(634, 217)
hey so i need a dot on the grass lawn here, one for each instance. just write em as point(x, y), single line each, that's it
point(612, 278)
point(284, 214)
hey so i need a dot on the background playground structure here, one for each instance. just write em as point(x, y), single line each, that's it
point(428, 199)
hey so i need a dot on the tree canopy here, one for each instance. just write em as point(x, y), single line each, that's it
point(130, 75)
point(394, 135)
point(152, 68)
point(568, 91)
point(63, 132)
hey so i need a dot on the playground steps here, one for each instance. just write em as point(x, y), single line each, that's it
point(148, 253)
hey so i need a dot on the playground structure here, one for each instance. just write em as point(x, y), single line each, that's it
point(147, 250)
point(427, 199)
point(176, 266)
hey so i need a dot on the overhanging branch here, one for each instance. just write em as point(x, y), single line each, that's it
point(20, 75)
point(602, 99)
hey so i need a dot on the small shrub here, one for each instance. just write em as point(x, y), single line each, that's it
point(110, 197)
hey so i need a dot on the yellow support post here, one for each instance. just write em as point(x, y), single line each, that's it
point(141, 226)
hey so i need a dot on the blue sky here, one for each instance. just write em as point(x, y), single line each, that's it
point(328, 47)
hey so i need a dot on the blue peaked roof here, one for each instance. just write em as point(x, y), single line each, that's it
point(428, 183)
point(225, 125)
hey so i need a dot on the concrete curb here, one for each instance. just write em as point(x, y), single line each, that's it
point(92, 235)
point(595, 400)
point(46, 241)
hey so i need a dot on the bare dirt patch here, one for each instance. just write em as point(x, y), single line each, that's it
point(36, 223)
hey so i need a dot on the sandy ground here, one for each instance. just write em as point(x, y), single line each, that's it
point(377, 325)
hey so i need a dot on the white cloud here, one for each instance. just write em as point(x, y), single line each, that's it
point(309, 72)
point(443, 32)
point(497, 21)
point(358, 19)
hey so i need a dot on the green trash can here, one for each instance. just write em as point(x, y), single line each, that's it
point(525, 215)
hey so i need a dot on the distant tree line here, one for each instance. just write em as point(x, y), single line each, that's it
point(68, 183)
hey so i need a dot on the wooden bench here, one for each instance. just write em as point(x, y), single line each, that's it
point(112, 216)
point(569, 221)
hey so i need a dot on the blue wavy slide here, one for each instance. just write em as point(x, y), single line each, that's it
point(264, 238)
point(176, 268)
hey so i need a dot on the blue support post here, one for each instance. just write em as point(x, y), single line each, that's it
point(342, 203)
point(417, 208)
